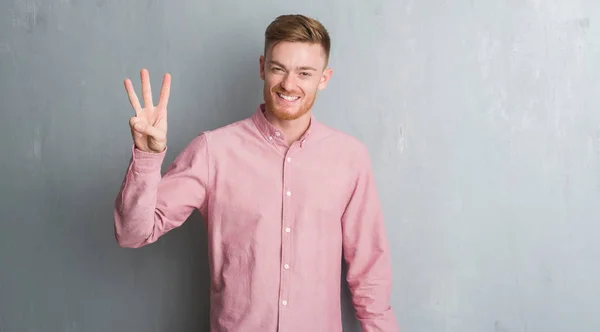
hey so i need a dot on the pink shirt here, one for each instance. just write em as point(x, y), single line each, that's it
point(279, 221)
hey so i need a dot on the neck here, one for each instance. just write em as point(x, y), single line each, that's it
point(291, 129)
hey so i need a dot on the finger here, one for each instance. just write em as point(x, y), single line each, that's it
point(137, 125)
point(165, 92)
point(133, 99)
point(146, 90)
point(141, 127)
point(151, 131)
point(154, 132)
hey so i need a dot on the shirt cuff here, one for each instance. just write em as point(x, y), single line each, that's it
point(144, 162)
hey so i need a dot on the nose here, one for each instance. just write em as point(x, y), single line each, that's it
point(288, 82)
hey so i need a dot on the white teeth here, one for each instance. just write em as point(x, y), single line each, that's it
point(288, 98)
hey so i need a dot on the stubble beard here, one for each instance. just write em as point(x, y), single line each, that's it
point(272, 106)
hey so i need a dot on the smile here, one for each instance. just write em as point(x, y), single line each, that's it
point(288, 98)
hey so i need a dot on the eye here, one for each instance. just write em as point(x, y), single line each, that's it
point(304, 73)
point(276, 69)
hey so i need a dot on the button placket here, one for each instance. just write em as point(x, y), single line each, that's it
point(286, 236)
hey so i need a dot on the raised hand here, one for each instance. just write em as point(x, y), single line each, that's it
point(149, 125)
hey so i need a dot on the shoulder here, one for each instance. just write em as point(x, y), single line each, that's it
point(342, 143)
point(223, 135)
point(203, 148)
point(230, 133)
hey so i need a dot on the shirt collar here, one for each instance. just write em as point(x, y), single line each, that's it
point(271, 133)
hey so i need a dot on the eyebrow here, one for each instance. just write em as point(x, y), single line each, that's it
point(277, 63)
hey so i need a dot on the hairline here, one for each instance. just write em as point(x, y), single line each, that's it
point(269, 46)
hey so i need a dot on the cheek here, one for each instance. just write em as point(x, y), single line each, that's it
point(271, 82)
point(309, 87)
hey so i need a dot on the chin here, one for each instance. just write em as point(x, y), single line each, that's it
point(286, 109)
point(287, 113)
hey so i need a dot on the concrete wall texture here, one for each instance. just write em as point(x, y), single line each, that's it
point(482, 118)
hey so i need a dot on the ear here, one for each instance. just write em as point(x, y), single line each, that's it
point(262, 67)
point(325, 78)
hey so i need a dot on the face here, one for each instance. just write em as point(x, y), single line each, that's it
point(293, 73)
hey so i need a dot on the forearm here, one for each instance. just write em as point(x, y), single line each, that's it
point(149, 205)
point(135, 205)
point(367, 253)
point(370, 281)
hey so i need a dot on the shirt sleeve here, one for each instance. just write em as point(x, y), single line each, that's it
point(148, 205)
point(367, 254)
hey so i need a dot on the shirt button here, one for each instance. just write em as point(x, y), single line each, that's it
point(284, 302)
point(289, 193)
point(277, 134)
point(286, 266)
point(289, 160)
point(271, 137)
point(287, 230)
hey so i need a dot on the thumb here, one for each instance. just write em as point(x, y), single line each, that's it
point(140, 127)
point(137, 126)
point(145, 128)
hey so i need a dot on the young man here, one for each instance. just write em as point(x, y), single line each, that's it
point(284, 198)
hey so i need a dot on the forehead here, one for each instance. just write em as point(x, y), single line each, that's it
point(297, 54)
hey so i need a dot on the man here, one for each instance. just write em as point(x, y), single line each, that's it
point(284, 198)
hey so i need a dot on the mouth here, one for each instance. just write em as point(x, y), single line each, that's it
point(286, 98)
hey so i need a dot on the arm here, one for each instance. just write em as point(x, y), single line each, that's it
point(367, 254)
point(149, 205)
